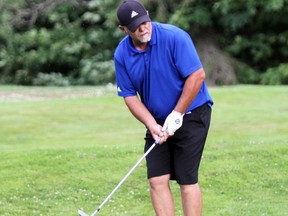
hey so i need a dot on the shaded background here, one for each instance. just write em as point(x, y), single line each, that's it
point(71, 42)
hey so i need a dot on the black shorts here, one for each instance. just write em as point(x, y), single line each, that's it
point(180, 156)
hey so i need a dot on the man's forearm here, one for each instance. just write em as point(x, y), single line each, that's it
point(140, 112)
point(191, 88)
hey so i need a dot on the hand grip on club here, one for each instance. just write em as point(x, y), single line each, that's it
point(157, 141)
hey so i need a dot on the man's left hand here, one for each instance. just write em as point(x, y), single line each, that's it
point(173, 122)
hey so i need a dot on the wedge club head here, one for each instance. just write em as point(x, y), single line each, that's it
point(82, 213)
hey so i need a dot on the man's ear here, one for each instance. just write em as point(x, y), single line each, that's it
point(122, 28)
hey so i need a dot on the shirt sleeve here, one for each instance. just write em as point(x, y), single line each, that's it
point(185, 54)
point(124, 85)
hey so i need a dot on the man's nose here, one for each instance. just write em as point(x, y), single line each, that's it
point(142, 26)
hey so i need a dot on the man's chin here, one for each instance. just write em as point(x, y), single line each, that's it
point(145, 40)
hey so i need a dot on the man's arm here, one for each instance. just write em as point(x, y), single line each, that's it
point(138, 109)
point(191, 88)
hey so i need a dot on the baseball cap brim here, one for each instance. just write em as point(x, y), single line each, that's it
point(135, 24)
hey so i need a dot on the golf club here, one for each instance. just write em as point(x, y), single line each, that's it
point(82, 213)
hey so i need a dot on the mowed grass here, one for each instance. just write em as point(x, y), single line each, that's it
point(67, 148)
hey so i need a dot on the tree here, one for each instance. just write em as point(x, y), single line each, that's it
point(255, 31)
point(72, 39)
point(40, 39)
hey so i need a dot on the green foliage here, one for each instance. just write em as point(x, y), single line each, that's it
point(193, 16)
point(256, 49)
point(96, 73)
point(68, 35)
point(276, 76)
point(52, 79)
point(255, 31)
point(246, 74)
point(58, 43)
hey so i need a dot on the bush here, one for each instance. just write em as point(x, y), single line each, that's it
point(57, 42)
point(276, 76)
point(52, 79)
point(245, 74)
point(96, 73)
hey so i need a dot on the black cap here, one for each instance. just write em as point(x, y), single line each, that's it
point(132, 13)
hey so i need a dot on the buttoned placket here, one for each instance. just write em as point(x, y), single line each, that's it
point(146, 56)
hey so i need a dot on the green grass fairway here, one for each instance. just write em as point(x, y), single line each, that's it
point(67, 148)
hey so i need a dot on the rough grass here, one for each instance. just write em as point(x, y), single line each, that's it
point(67, 148)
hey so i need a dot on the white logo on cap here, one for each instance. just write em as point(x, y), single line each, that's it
point(133, 14)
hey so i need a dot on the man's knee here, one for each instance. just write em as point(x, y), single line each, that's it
point(189, 188)
point(159, 182)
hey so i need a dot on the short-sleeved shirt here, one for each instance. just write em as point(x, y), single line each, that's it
point(158, 73)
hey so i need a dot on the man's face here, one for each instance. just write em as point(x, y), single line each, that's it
point(142, 35)
point(143, 32)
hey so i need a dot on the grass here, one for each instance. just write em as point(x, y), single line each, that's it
point(67, 148)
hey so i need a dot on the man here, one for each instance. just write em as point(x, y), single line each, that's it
point(161, 79)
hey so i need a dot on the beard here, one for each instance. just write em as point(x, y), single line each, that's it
point(146, 38)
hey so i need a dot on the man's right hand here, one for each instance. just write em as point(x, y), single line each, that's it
point(156, 131)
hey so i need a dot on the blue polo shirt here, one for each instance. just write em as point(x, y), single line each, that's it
point(158, 73)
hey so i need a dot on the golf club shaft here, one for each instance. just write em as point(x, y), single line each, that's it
point(121, 182)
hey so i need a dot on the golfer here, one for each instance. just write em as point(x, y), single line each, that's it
point(161, 78)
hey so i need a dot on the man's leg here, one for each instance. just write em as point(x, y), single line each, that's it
point(191, 199)
point(161, 196)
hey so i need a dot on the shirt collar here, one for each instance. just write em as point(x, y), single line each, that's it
point(154, 36)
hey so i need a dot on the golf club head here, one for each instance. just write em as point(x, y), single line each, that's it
point(82, 213)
